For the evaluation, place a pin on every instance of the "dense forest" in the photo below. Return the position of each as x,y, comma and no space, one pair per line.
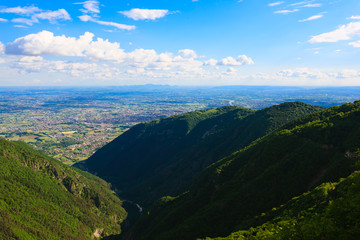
234,193
44,199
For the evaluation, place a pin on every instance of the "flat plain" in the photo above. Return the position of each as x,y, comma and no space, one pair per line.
71,123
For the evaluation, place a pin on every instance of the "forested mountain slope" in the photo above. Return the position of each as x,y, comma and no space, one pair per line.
41,198
163,157
328,212
318,148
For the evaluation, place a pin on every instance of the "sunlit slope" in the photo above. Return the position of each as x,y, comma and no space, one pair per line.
321,147
163,157
41,198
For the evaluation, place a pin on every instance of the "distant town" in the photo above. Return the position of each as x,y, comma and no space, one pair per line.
70,124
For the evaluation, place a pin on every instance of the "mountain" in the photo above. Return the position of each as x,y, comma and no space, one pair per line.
229,194
40,198
330,211
164,156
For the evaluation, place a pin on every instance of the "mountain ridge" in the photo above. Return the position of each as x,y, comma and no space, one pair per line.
162,157
267,173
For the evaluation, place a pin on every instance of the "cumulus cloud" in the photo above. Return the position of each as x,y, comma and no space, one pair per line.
3,20
90,7
275,4
187,53
211,62
87,18
21,10
145,14
45,43
240,60
354,17
315,17
286,11
343,32
97,52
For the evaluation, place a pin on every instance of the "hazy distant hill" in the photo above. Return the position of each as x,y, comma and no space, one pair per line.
41,198
162,157
229,194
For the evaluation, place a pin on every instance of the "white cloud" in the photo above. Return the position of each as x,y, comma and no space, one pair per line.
145,14
37,14
211,62
298,3
354,17
83,70
3,20
26,21
21,10
304,73
187,53
52,16
20,26
2,48
355,44
348,73
315,17
307,4
90,7
98,53
231,69
286,11
46,44
275,4
87,18
311,5
343,32
240,60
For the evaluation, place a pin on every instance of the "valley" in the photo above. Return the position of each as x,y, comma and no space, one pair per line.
227,172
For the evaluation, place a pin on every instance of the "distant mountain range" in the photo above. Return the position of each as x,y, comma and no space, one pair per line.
289,171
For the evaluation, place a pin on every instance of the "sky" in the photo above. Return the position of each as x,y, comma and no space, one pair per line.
180,42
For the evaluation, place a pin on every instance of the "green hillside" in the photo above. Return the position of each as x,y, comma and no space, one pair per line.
41,198
329,212
164,156
321,147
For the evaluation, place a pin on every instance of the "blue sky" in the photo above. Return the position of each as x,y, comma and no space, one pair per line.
180,42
